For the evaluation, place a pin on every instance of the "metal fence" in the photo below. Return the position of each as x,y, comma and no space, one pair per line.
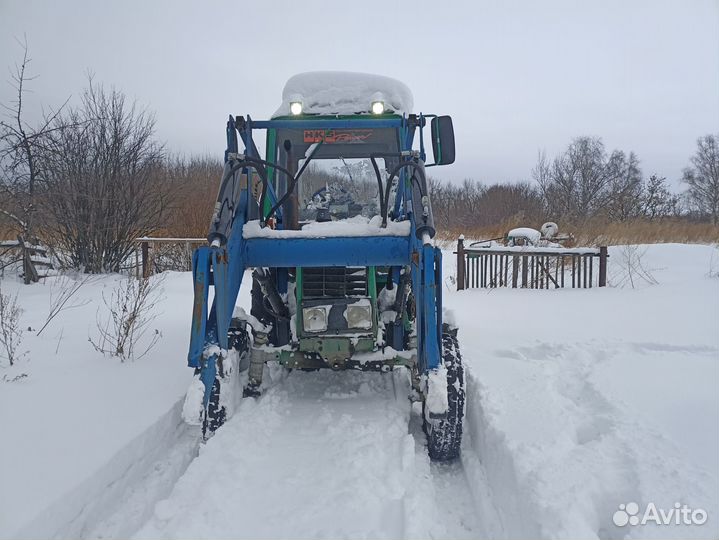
530,267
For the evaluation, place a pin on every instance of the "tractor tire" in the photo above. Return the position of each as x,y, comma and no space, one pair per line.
444,435
215,414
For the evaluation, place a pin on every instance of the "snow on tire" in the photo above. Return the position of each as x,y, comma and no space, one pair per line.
444,435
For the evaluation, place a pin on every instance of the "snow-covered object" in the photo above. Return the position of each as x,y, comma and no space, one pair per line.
549,229
386,298
343,92
437,401
532,236
253,321
350,227
192,407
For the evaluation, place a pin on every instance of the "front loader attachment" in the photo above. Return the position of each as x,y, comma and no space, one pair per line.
363,294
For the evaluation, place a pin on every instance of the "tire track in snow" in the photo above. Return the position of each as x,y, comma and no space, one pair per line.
318,455
460,498
324,455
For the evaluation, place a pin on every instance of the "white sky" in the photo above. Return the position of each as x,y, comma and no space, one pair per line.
517,76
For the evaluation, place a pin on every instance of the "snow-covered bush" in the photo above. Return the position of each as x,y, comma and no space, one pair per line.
129,312
10,330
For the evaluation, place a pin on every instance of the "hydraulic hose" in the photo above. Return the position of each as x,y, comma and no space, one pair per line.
257,164
427,224
382,204
290,187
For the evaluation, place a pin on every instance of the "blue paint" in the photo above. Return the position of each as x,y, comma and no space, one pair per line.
207,376
345,251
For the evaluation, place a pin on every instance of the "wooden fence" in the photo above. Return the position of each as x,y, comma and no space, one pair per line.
154,255
530,267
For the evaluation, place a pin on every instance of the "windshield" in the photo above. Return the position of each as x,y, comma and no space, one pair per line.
332,189
339,181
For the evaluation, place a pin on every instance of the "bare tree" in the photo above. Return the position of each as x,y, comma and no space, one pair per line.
578,183
22,176
194,182
656,199
511,204
702,178
106,181
625,187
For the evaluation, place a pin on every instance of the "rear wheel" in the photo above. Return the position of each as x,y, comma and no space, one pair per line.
444,435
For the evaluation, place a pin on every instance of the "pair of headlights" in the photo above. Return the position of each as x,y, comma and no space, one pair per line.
359,317
377,107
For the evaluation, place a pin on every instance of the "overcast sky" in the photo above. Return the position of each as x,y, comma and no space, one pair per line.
517,76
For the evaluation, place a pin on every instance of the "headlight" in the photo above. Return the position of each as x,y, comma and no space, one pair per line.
296,107
377,107
359,316
314,319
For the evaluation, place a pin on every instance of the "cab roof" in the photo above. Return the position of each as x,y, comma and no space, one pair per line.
344,93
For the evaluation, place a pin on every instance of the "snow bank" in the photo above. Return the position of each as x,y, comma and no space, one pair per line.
77,409
342,92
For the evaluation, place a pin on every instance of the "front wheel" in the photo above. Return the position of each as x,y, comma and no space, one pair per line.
444,435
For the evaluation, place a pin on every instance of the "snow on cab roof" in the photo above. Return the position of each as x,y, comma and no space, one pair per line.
344,92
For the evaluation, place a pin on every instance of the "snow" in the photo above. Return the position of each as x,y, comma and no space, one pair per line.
77,410
254,322
530,234
577,401
386,298
548,249
192,407
611,399
341,92
437,401
350,227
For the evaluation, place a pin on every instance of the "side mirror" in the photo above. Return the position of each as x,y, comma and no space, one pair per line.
442,140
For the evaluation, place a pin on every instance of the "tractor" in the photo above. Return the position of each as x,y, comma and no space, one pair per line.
334,228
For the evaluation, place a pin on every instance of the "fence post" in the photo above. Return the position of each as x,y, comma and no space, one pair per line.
145,259
460,262
603,254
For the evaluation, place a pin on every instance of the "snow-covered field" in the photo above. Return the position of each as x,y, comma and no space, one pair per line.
578,401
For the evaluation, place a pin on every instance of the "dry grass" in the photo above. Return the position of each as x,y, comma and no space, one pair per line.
596,233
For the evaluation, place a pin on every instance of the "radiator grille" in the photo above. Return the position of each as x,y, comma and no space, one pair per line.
334,282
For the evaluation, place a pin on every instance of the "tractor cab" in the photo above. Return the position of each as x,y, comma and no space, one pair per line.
335,222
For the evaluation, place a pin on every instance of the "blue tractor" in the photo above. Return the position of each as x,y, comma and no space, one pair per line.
353,282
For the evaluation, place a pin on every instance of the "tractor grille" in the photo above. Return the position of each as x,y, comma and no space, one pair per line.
334,282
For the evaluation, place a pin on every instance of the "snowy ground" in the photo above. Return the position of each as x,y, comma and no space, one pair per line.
578,401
